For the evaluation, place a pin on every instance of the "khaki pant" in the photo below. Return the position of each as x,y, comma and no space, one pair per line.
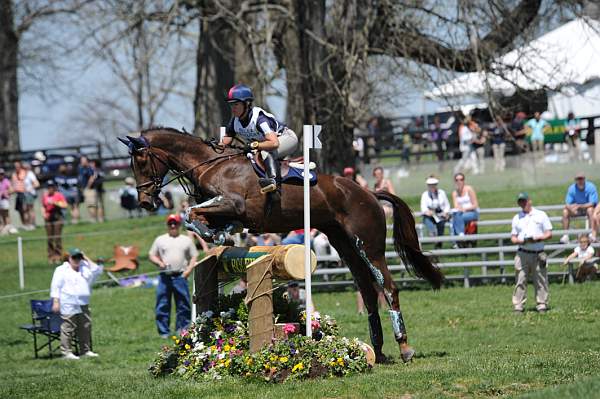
534,265
80,323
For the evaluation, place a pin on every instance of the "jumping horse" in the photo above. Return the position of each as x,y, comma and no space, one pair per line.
349,215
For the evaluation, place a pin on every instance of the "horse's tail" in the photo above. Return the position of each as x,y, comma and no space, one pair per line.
406,241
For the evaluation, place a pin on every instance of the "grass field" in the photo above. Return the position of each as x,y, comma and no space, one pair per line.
468,341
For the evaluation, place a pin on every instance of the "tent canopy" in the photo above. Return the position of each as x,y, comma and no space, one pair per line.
567,55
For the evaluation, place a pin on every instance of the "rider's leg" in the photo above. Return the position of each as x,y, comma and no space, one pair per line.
273,173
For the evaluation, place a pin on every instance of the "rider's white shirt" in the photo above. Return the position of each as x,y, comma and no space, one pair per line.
252,131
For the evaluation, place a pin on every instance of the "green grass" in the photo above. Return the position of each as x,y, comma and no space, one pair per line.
468,341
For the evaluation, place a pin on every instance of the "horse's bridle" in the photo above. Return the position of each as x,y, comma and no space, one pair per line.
156,181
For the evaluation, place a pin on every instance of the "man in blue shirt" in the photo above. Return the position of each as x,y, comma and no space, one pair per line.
581,199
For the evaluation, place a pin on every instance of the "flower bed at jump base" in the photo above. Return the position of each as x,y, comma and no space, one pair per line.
217,345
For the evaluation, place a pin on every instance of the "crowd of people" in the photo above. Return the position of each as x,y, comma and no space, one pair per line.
470,138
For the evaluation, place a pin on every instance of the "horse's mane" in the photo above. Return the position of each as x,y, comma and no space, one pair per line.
158,130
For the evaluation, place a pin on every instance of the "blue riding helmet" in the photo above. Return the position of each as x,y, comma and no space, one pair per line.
239,93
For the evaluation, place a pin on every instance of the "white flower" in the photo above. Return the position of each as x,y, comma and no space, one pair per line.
221,356
207,314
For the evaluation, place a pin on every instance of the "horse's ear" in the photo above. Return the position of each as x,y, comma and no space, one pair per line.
137,142
124,141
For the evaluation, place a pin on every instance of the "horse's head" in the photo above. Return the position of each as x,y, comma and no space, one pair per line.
149,169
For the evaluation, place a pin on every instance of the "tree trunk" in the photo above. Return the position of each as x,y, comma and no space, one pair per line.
9,95
214,75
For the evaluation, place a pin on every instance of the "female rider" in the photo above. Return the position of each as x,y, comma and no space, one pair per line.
261,131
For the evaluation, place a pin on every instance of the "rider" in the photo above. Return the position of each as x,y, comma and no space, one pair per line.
261,131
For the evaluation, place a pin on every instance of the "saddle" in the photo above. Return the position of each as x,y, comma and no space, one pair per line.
292,170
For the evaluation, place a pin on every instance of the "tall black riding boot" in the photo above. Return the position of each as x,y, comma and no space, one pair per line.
273,172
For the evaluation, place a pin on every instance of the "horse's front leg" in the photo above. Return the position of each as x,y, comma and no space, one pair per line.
232,207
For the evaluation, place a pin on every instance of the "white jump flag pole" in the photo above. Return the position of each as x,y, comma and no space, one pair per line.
311,140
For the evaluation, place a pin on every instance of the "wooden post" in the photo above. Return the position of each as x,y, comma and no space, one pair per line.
206,285
260,302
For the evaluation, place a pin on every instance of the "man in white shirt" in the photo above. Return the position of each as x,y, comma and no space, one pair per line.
70,292
435,208
530,228
172,253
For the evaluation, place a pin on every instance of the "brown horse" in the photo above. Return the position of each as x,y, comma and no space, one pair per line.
350,216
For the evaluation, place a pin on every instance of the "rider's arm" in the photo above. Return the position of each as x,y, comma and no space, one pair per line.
271,142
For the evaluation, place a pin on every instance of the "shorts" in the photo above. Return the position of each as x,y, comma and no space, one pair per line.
72,197
91,197
4,204
20,202
30,198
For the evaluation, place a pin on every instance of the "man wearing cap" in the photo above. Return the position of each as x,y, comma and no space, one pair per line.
53,203
435,208
581,199
530,228
172,253
70,292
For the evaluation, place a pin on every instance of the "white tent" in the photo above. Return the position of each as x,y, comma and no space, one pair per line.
566,56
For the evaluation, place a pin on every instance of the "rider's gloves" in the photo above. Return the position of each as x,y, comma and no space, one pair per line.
249,147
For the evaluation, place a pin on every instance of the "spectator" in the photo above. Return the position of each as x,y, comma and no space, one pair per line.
498,139
517,128
417,139
383,184
128,197
70,291
466,206
468,159
97,184
266,239
479,141
53,203
31,185
297,237
438,137
572,130
241,287
435,208
5,191
297,295
354,175
584,254
68,185
406,140
24,184
538,127
84,175
172,253
530,228
581,199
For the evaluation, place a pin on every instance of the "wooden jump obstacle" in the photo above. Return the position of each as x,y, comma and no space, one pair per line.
261,265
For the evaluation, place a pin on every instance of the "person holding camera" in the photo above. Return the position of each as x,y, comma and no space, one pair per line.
530,228
70,291
435,208
172,253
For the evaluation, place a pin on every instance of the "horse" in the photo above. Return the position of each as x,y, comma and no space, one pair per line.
350,216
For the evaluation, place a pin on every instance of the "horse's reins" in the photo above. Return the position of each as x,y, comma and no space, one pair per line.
156,180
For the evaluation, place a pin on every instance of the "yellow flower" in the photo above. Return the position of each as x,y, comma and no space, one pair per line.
248,361
187,346
174,338
332,364
213,348
273,358
181,353
283,359
226,348
227,362
298,367
267,366
340,361
177,341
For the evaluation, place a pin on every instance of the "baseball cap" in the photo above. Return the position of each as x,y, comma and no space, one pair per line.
75,252
173,218
522,196
129,180
50,183
348,171
580,175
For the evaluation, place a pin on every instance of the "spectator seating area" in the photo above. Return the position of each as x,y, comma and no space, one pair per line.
492,258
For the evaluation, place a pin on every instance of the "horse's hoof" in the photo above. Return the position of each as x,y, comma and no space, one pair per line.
382,359
407,355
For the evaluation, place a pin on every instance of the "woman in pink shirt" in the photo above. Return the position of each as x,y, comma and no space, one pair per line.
5,191
53,203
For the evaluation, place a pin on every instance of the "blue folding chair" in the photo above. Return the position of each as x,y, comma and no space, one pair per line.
45,323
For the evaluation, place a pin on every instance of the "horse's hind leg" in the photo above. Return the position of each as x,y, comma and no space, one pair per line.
363,278
391,295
